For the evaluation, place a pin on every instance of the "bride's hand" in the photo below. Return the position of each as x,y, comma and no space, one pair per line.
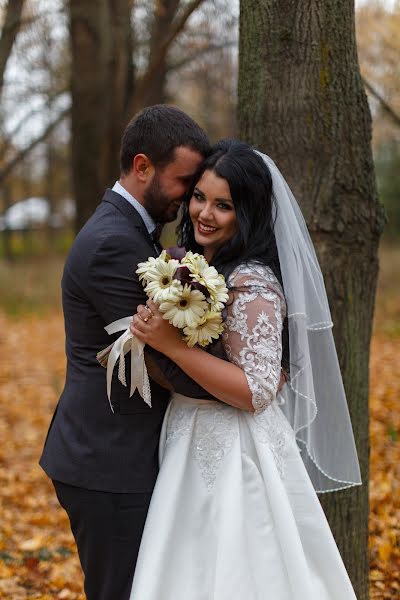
149,327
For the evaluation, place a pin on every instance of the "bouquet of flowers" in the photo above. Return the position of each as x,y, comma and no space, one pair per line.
190,294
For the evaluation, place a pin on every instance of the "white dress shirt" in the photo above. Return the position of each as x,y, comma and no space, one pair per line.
148,220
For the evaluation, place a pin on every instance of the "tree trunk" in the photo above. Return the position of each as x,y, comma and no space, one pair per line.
100,41
164,14
12,22
147,80
104,93
7,233
90,41
50,191
301,100
120,85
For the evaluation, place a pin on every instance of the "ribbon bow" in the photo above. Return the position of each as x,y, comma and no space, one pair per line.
125,343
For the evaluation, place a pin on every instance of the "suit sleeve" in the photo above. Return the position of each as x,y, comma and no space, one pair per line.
115,292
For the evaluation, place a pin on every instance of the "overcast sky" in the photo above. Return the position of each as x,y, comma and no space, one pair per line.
388,3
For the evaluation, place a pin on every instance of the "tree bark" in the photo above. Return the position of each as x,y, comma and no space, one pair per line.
120,85
164,14
100,43
7,233
302,101
137,100
90,46
104,93
12,23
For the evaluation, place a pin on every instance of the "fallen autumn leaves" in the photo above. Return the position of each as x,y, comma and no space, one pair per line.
37,554
384,525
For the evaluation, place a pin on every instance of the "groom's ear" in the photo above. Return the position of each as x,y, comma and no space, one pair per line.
142,167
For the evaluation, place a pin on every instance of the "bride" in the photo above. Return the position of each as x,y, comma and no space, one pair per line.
234,514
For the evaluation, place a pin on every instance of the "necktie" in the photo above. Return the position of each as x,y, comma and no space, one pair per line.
155,236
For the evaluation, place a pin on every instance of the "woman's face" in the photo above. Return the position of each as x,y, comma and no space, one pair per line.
212,212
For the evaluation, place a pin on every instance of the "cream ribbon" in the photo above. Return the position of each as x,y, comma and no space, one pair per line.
125,343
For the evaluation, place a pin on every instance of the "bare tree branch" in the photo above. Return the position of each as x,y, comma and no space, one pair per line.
209,49
165,14
11,26
6,170
29,20
386,107
145,81
6,141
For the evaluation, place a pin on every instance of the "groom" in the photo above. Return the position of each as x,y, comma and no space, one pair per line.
103,464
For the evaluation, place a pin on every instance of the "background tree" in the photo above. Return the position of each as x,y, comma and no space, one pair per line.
106,59
11,25
32,138
378,41
106,89
202,68
302,100
160,23
101,52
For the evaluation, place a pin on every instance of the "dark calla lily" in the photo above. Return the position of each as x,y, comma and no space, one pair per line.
182,274
195,285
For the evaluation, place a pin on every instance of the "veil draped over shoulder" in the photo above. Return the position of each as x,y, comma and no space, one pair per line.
314,399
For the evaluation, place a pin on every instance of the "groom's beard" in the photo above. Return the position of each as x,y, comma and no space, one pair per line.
159,205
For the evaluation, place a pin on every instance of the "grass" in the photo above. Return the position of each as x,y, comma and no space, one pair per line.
32,285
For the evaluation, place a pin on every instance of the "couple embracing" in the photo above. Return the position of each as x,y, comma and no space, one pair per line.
210,494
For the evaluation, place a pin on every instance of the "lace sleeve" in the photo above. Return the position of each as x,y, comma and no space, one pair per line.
253,332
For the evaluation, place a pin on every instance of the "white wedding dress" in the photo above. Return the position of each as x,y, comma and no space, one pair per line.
234,515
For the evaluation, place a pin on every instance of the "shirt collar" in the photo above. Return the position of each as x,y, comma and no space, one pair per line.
148,220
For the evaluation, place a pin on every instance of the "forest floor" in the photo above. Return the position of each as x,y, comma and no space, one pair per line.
37,554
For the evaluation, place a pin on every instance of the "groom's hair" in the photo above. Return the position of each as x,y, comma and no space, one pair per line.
156,131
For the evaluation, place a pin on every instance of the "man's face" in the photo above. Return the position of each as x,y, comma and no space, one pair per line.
166,190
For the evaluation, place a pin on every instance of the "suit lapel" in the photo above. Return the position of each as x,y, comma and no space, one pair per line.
130,213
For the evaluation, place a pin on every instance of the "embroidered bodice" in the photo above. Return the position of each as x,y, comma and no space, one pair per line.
252,340
253,331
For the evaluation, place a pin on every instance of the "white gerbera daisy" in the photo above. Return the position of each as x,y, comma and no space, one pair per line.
187,309
209,278
149,269
215,284
161,284
210,327
219,294
196,262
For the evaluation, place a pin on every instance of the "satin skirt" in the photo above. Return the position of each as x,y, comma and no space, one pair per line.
234,515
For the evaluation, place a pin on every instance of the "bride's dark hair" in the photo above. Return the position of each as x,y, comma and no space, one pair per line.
250,184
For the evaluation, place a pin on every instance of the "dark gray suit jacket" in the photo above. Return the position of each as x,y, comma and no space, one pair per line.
87,445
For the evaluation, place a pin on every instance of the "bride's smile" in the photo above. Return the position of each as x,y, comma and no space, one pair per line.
212,213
